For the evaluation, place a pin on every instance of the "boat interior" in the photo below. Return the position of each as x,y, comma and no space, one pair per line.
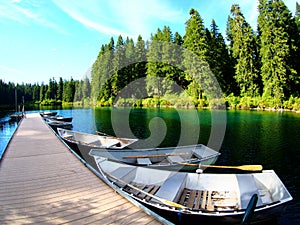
198,192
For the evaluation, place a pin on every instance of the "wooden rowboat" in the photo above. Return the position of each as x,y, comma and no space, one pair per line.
192,197
177,158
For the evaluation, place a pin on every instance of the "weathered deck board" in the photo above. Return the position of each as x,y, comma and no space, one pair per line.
41,181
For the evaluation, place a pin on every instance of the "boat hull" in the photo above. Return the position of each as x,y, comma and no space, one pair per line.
267,216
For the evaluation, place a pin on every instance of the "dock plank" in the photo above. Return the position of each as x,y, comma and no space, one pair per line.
41,181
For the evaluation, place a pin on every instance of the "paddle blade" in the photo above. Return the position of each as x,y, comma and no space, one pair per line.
251,167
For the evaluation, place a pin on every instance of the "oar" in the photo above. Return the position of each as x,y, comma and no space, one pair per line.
164,201
154,156
243,167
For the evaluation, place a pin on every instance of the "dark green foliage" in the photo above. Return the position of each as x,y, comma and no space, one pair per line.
219,59
244,49
278,49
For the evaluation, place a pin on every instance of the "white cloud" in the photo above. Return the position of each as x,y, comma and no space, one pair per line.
126,18
27,12
85,13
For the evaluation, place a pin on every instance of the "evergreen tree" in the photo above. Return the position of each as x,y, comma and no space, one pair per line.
36,93
86,88
154,64
118,79
42,92
179,76
60,88
96,74
69,90
278,49
219,59
195,41
245,51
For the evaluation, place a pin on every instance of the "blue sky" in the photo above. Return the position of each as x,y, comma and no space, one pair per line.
41,39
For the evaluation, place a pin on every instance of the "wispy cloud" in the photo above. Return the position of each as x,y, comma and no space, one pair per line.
27,12
89,16
128,18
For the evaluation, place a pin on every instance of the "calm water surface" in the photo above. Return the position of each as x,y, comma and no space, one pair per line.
271,139
7,128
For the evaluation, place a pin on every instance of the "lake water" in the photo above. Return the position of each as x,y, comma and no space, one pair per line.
7,128
271,139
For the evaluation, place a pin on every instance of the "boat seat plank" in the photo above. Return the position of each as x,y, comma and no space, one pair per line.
209,206
191,200
183,197
172,187
203,204
144,161
198,200
146,188
153,191
136,192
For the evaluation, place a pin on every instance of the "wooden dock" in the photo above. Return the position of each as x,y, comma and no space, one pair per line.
41,181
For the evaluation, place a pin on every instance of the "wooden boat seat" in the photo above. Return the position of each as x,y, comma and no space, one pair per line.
151,189
209,200
175,159
144,161
172,188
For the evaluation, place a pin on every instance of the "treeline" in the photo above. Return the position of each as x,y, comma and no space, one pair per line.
253,68
53,93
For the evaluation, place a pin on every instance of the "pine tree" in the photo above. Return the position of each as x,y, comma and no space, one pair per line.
195,42
278,48
60,88
154,64
245,51
118,80
219,59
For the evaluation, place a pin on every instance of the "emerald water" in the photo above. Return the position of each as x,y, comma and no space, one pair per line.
271,139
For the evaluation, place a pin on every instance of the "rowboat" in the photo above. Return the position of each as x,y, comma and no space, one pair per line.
45,114
82,143
59,118
194,197
184,158
59,124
